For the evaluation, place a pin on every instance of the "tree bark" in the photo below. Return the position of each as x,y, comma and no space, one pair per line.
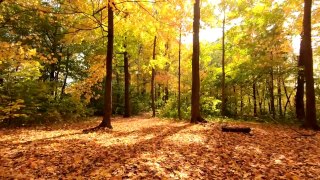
66,76
152,79
127,107
241,101
254,91
138,73
106,122
223,89
235,101
306,55
287,96
195,94
179,78
279,96
271,87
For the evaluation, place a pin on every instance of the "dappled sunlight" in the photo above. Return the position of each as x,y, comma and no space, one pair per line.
34,135
151,148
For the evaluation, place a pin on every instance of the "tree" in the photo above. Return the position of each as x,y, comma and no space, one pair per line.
195,96
127,108
106,122
179,76
153,73
223,82
306,57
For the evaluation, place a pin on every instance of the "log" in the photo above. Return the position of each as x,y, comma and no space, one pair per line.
236,129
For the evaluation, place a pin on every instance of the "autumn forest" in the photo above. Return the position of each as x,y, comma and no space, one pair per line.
159,89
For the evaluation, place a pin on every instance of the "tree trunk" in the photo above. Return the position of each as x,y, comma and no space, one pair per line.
306,55
152,79
254,100
138,73
116,94
106,122
126,84
271,87
287,96
241,101
223,89
235,100
66,76
179,78
195,94
279,97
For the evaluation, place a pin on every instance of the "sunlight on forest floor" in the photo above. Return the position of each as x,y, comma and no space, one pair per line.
141,147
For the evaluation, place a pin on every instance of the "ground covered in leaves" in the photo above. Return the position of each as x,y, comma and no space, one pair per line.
151,148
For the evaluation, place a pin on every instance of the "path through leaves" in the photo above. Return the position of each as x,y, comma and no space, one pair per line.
150,148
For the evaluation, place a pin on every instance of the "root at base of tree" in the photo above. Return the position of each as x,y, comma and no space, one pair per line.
199,120
97,128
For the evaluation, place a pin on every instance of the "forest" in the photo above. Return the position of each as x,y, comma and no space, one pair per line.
159,89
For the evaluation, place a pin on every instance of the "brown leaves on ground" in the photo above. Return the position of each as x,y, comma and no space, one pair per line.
144,148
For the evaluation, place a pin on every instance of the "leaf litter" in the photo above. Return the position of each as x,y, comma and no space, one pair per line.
152,148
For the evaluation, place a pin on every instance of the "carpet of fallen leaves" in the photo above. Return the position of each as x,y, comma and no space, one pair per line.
151,148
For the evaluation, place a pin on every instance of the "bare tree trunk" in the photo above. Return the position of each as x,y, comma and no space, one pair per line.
235,100
66,75
241,101
152,79
306,55
279,96
195,96
138,73
223,90
127,107
287,96
271,87
179,78
106,122
254,100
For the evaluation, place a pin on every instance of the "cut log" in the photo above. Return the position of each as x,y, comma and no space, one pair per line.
236,129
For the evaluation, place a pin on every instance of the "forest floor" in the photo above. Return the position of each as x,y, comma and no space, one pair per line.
151,148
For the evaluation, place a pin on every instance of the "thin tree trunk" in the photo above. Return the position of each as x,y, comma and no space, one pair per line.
116,94
235,100
66,76
138,73
271,87
127,107
306,55
261,97
287,96
279,97
166,88
195,95
179,78
106,122
223,90
152,79
254,100
241,101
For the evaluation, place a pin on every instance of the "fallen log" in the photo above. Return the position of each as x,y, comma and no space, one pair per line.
236,129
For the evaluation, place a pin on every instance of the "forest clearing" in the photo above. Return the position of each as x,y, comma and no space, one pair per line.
150,148
170,89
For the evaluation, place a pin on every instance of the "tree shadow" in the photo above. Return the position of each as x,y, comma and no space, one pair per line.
152,158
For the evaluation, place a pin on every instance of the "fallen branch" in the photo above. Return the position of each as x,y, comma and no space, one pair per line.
236,129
